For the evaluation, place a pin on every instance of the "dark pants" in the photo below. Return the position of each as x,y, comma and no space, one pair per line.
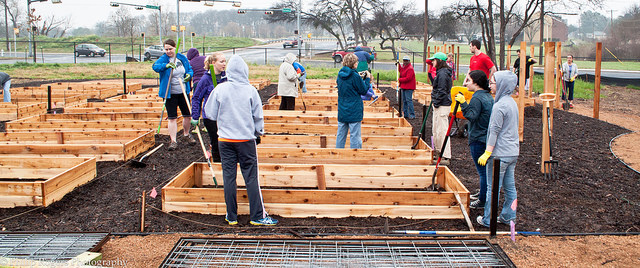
569,86
212,129
245,154
177,101
288,103
430,78
477,149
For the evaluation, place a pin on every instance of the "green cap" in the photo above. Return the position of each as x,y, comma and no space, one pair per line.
440,56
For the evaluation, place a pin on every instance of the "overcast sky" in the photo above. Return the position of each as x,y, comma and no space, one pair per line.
85,13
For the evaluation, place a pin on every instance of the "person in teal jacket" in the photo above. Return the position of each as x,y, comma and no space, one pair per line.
182,74
350,107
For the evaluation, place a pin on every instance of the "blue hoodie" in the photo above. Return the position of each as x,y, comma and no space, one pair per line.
350,87
236,104
363,59
503,124
201,94
160,66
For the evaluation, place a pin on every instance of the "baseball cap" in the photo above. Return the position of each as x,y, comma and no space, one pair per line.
406,58
439,55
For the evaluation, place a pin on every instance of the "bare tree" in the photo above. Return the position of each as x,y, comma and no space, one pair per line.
54,27
391,25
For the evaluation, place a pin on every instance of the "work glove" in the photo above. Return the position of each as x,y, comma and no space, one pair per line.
171,65
187,77
483,158
194,122
258,140
571,80
460,98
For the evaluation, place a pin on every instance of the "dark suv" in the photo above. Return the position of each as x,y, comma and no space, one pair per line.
338,55
89,50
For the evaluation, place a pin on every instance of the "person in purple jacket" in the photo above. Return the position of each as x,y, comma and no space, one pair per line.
197,64
201,95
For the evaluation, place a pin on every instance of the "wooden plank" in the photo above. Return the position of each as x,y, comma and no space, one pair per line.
57,187
310,113
101,116
86,125
19,201
139,145
368,142
71,137
344,156
322,184
367,109
322,129
327,211
398,122
185,179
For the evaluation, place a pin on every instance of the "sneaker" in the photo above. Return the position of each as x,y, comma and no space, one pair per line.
230,222
172,146
265,221
190,139
476,204
479,220
475,196
570,105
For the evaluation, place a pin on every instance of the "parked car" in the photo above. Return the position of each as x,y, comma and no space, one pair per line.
291,43
89,50
338,55
153,52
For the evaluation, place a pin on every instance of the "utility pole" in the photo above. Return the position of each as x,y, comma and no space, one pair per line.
177,21
6,25
426,35
541,30
299,32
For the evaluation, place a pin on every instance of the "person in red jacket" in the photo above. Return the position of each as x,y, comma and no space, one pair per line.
431,71
407,82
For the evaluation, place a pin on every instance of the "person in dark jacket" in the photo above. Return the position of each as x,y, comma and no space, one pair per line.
441,99
477,112
172,90
350,107
407,82
201,95
363,59
197,64
5,81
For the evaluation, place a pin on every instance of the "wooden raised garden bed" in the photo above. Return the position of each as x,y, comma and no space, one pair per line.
27,181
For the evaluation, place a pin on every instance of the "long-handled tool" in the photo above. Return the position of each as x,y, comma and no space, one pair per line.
204,149
551,166
139,163
424,120
565,104
435,187
166,93
304,105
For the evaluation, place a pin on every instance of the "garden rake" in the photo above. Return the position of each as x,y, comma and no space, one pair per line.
551,166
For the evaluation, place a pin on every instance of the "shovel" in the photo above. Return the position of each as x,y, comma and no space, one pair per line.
424,120
434,186
138,163
551,166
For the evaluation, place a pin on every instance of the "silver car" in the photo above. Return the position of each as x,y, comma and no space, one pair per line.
153,52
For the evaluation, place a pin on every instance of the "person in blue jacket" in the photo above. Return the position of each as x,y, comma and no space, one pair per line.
350,108
172,91
303,75
363,59
201,95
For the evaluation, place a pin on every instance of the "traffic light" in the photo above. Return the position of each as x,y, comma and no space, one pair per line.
193,34
268,12
309,35
240,11
142,34
295,32
139,8
115,4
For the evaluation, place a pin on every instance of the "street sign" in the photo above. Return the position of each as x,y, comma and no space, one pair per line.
152,7
16,30
286,10
182,28
173,28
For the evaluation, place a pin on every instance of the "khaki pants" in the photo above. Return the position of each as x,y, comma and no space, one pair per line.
440,124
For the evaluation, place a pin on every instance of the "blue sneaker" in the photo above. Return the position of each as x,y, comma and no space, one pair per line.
230,222
265,221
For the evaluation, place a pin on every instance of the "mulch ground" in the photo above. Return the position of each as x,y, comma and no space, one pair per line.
595,192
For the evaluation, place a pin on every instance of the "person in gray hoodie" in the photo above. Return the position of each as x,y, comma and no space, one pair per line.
502,143
237,108
287,80
5,82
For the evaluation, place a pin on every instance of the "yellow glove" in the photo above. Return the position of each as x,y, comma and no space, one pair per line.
572,79
460,98
484,157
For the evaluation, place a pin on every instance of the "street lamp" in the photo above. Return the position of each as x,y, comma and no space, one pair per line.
141,7
31,26
206,3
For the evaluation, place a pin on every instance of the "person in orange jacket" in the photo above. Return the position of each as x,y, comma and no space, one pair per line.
407,82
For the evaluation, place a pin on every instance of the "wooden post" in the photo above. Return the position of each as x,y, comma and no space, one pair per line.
521,79
596,91
322,183
558,72
549,68
124,81
509,57
547,101
323,141
531,71
142,212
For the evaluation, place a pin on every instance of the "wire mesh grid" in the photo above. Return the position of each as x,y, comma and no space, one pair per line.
202,252
48,246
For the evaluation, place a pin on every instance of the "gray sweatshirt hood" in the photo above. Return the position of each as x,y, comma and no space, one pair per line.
289,58
237,70
506,82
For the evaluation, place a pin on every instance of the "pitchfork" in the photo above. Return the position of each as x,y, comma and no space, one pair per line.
551,166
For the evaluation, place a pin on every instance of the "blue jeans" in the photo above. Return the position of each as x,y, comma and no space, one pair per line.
303,80
355,139
508,183
477,149
407,104
7,94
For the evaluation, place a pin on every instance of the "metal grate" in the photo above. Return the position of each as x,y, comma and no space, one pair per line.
48,246
202,252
